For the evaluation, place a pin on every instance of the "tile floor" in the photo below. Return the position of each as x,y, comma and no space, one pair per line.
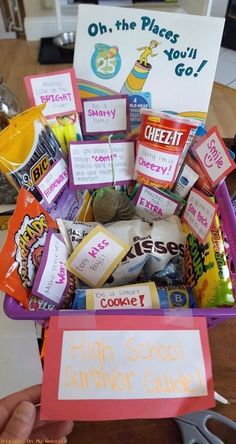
226,68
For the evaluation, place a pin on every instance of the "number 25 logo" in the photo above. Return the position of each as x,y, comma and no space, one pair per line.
105,61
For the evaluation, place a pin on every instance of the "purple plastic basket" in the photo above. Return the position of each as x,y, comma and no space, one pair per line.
214,315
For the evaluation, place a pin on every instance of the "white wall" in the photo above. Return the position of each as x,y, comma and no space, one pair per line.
219,8
34,8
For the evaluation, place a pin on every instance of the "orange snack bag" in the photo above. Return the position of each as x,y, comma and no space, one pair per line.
23,247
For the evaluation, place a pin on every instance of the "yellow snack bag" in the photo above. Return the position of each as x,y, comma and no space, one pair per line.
206,269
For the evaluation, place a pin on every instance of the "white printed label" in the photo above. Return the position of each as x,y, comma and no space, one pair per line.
55,90
102,164
53,281
199,214
129,364
53,181
105,115
157,165
154,205
132,296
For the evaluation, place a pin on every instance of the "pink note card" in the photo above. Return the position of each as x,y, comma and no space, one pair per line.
214,157
199,214
118,367
58,90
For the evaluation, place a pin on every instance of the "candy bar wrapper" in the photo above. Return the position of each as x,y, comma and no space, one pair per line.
137,296
22,250
206,269
159,242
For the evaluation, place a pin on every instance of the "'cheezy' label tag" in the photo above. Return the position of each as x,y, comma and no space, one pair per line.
199,214
158,165
97,256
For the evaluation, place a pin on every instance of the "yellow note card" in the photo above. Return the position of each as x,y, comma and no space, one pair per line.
97,256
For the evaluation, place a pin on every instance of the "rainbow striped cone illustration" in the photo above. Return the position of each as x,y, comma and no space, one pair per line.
136,78
138,75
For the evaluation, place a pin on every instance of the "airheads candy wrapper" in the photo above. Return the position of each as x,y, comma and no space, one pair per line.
53,282
163,143
31,157
138,296
161,240
21,253
206,269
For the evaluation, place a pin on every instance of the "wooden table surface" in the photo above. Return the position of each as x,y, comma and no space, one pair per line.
19,58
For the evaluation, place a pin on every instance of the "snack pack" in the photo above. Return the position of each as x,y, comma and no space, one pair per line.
206,269
163,144
21,253
144,295
31,157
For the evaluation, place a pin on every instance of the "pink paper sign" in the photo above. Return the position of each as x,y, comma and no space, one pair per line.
118,367
58,90
199,214
214,156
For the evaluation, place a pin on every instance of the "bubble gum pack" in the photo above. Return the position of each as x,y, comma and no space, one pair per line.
21,253
206,269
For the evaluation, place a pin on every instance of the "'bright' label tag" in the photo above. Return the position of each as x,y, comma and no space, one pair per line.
97,256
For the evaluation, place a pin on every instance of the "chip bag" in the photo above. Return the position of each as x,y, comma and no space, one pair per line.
21,253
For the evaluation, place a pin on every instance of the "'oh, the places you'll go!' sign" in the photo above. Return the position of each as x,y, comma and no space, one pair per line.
169,58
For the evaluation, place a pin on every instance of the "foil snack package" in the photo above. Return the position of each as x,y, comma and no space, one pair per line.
31,157
160,240
22,250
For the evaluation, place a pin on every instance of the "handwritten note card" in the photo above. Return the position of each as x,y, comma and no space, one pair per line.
97,256
143,295
199,214
58,90
53,181
160,166
153,204
214,157
116,367
106,115
99,164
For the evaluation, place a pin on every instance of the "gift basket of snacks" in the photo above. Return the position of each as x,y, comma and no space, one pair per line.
118,224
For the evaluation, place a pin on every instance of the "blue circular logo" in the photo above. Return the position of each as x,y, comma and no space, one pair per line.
178,299
106,61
